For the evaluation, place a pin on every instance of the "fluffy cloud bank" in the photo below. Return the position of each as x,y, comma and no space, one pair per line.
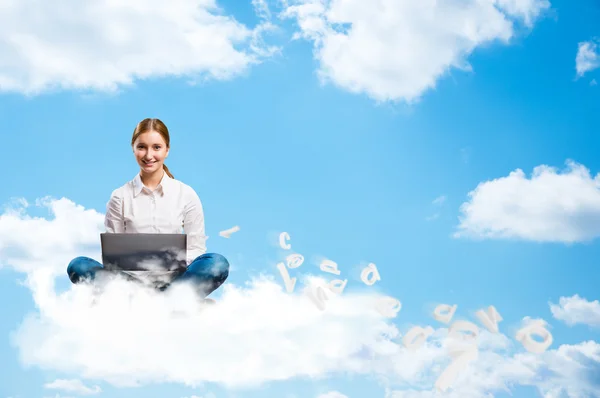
256,333
570,370
551,206
397,50
104,45
390,50
72,385
127,335
576,310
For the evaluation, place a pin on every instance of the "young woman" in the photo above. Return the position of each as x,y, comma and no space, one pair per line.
155,202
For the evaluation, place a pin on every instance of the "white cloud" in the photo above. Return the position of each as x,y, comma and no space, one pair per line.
588,57
577,310
432,217
572,370
397,50
72,385
527,10
439,200
105,45
262,9
30,243
332,394
434,394
551,206
256,333
253,335
58,396
207,395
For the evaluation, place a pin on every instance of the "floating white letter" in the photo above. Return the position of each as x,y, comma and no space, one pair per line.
490,319
370,269
416,336
461,354
227,233
330,266
318,296
388,306
294,260
283,237
464,326
289,282
535,327
337,285
444,313
460,360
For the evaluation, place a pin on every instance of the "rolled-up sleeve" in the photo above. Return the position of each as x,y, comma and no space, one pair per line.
113,219
193,226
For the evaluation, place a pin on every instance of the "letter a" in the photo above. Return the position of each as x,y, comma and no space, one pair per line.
444,313
370,269
337,285
416,336
464,326
388,306
329,266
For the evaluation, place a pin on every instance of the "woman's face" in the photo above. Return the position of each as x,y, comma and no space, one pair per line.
150,151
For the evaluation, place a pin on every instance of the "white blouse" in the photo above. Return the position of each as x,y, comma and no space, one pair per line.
173,207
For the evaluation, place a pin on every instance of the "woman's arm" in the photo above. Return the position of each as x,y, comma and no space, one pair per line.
113,220
193,226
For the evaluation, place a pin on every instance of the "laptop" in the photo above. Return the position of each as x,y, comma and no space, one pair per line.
144,254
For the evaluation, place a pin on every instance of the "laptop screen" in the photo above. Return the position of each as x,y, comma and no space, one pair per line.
144,252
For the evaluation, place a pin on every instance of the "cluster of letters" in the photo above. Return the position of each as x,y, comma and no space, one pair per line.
463,334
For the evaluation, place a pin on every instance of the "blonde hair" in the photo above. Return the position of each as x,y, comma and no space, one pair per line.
157,125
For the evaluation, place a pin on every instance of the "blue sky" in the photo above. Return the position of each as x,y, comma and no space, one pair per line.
454,146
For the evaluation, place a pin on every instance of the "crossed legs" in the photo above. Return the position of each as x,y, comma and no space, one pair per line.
207,272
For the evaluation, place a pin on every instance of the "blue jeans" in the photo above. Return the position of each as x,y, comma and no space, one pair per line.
207,271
